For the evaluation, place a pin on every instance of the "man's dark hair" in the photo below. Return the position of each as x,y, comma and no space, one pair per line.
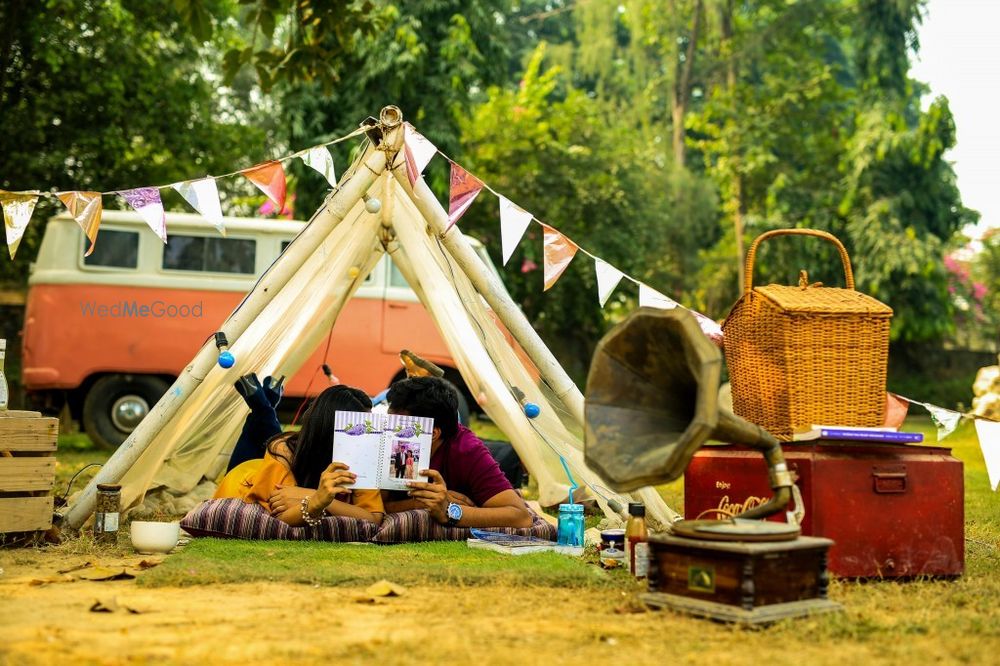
432,397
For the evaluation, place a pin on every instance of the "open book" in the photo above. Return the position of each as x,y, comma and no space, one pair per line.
384,450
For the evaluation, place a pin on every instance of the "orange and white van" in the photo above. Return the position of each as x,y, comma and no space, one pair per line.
87,345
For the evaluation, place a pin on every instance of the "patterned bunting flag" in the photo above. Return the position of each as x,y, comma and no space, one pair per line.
896,408
320,159
269,179
417,150
464,189
17,209
514,222
146,201
608,278
649,297
709,327
558,252
203,195
989,443
946,420
86,208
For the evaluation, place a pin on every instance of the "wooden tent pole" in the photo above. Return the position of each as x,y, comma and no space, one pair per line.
493,290
326,218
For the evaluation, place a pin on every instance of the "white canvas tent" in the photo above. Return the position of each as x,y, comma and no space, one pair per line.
185,441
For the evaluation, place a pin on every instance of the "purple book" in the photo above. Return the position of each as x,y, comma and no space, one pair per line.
859,435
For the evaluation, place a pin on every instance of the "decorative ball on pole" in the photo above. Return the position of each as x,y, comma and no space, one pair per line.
372,204
226,358
531,410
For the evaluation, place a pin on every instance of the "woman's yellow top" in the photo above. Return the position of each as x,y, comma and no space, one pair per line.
255,481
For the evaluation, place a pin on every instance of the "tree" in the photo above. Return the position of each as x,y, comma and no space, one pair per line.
111,95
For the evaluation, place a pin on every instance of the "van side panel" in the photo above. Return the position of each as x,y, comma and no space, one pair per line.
72,331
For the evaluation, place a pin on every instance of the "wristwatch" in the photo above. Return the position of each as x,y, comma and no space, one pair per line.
454,514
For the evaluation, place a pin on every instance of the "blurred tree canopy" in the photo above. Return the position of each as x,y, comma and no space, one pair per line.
662,135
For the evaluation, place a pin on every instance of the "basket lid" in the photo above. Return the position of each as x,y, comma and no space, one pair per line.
832,300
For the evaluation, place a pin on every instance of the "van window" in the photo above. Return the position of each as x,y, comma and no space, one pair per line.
396,278
115,249
215,255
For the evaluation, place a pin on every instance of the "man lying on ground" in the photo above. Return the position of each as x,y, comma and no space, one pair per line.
466,487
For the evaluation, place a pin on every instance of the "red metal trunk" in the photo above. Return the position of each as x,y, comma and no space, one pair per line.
892,510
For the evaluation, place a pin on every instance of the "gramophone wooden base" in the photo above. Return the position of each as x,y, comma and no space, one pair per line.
750,583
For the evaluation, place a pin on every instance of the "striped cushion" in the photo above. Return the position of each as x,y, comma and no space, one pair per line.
234,518
417,525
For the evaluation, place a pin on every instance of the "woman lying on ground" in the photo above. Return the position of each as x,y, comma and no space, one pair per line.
298,462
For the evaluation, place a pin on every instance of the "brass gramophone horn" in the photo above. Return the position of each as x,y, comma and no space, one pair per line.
652,401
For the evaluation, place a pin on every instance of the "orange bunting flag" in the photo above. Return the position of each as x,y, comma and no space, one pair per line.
86,208
17,209
417,150
558,251
464,189
269,179
896,407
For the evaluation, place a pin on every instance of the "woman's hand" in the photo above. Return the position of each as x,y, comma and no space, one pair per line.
334,481
284,498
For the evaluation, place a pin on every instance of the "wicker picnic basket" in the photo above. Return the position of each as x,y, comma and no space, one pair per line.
807,355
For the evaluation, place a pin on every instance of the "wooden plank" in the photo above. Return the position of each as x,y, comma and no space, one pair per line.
13,297
34,473
25,514
34,434
18,414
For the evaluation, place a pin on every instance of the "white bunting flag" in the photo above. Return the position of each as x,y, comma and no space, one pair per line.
989,443
946,420
709,327
514,222
418,151
608,278
146,202
649,297
319,158
203,195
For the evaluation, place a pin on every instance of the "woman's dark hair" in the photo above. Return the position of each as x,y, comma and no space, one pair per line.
433,397
312,446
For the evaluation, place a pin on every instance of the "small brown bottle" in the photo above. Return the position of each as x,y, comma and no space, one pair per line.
637,540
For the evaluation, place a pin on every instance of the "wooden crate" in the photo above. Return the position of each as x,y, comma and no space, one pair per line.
27,471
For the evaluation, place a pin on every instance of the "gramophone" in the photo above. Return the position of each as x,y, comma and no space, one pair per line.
651,403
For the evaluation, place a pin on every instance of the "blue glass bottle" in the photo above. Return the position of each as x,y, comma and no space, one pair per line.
570,531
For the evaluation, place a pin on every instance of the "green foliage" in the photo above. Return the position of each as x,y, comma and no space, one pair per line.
105,95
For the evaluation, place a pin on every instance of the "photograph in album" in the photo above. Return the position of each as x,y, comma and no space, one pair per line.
384,450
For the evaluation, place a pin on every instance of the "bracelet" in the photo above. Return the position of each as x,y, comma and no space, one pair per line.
306,516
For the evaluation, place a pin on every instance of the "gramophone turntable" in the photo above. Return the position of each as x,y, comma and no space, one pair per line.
652,402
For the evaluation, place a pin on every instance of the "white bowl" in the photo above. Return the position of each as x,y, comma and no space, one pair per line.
150,537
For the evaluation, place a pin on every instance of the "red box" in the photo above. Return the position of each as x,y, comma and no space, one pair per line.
892,510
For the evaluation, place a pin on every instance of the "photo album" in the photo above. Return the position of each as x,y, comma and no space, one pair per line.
384,450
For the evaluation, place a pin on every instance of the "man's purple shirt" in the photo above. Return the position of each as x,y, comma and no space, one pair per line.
468,468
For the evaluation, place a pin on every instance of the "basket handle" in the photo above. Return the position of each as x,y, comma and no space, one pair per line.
844,259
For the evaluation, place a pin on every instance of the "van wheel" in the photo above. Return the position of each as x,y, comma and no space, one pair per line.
116,404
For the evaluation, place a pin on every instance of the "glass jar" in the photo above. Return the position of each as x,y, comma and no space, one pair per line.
106,513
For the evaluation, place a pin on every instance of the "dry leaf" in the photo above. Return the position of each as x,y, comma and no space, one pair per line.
45,580
111,606
384,588
105,573
77,567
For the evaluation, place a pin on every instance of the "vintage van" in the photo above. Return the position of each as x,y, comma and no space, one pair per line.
86,346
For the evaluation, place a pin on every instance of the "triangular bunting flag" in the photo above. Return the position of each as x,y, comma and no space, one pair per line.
896,407
269,179
946,420
608,278
514,222
417,150
558,252
650,298
319,158
17,209
146,201
203,195
709,327
464,189
989,443
85,207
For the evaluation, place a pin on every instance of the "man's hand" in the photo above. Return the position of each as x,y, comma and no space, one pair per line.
284,498
432,495
459,498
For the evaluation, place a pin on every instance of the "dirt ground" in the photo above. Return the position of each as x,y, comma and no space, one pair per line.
288,623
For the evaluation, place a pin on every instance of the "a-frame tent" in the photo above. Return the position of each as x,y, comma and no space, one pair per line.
185,441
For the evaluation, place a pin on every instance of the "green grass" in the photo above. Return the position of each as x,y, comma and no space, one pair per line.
215,561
